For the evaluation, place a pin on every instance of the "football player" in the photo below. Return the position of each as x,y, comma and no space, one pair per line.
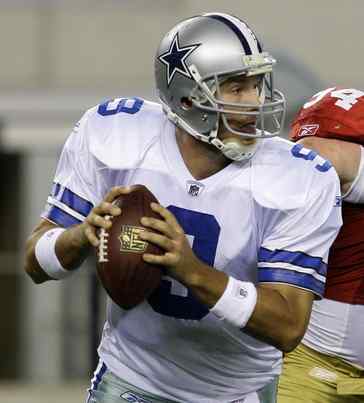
246,222
328,366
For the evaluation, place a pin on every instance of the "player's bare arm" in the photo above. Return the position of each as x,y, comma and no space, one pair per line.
75,243
345,157
282,312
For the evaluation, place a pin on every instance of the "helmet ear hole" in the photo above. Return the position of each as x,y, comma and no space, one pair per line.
186,103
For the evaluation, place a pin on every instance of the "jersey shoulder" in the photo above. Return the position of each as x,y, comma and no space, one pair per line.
113,127
336,113
285,175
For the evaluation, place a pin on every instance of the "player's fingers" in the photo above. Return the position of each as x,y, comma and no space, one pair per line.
168,217
157,239
90,233
168,259
96,220
107,208
117,191
158,225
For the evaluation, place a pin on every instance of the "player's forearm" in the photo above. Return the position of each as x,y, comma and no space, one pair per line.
71,249
206,283
275,322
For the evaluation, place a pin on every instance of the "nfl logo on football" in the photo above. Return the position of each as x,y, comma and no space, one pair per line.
194,188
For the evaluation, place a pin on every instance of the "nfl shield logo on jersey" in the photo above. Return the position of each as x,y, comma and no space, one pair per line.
194,188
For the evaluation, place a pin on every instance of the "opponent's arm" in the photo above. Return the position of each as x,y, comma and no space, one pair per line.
75,243
344,156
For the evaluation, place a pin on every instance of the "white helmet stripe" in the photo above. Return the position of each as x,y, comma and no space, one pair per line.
249,34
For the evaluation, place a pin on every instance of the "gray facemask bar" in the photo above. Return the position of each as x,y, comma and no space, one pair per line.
275,108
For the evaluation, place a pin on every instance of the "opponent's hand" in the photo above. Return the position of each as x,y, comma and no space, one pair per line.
96,218
179,257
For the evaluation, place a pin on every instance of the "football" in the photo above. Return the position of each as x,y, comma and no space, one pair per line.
126,277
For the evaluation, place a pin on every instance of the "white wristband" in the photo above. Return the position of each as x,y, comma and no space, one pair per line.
46,254
237,303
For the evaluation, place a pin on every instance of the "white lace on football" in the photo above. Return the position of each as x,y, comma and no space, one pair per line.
103,245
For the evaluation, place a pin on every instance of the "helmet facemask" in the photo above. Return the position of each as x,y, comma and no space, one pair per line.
267,116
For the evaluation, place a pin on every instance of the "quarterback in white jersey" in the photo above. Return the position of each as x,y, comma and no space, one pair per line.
246,242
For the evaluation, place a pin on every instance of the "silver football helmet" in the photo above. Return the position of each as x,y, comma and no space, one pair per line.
192,62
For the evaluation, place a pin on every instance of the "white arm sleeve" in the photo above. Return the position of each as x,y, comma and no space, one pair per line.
295,249
75,187
355,194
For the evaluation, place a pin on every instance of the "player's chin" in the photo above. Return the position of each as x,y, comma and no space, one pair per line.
236,138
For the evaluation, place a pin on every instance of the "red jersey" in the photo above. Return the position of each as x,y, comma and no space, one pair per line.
333,113
339,114
345,274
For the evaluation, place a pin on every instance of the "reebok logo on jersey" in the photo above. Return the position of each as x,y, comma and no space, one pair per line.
133,398
308,130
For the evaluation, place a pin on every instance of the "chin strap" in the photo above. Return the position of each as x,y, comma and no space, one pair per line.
234,150
231,148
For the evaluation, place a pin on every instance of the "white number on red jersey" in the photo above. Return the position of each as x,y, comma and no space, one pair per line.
347,97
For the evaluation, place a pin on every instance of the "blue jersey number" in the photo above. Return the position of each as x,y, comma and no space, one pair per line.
118,105
299,151
172,298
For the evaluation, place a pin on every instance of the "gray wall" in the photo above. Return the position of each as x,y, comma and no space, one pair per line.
60,57
93,45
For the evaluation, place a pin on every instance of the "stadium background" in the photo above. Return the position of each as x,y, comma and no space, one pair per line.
58,58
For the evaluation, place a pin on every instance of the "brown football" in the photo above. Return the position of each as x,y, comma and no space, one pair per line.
126,277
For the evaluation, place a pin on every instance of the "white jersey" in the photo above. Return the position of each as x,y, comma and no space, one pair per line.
337,329
254,220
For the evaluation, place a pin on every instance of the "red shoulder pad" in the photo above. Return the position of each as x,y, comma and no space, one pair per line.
333,113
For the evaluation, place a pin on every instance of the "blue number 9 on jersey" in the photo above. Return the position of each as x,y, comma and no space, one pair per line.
169,299
299,151
120,105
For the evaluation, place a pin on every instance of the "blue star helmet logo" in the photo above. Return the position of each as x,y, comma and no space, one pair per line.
175,58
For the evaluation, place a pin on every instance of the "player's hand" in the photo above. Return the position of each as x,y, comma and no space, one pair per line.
179,257
98,216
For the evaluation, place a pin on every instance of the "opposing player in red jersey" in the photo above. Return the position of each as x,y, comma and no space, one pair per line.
328,366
